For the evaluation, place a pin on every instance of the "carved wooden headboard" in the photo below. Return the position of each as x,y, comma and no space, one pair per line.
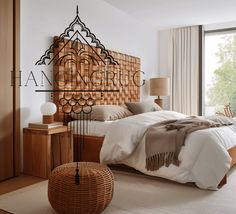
85,75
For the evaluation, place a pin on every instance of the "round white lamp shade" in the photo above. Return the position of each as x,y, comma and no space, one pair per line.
48,108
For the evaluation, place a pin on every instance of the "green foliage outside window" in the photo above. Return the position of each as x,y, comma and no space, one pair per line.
223,89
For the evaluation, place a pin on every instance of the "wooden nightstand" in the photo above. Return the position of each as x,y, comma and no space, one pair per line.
45,149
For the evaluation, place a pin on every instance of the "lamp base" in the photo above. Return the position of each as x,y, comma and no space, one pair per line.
47,119
159,102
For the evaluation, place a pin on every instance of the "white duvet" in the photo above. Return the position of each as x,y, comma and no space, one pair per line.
204,158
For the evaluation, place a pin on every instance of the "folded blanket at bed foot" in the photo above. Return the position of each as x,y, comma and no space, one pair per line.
165,139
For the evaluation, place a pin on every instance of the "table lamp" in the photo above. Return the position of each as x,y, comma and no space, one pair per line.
48,109
160,86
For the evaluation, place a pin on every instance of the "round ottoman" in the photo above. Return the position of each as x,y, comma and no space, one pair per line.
91,196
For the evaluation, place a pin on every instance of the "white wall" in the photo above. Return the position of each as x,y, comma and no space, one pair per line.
163,52
163,58
41,20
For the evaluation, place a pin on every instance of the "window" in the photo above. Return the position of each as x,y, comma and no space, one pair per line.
220,71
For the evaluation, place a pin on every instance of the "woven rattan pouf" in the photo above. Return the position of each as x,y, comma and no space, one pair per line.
91,196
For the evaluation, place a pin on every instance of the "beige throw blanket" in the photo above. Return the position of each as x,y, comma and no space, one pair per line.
164,140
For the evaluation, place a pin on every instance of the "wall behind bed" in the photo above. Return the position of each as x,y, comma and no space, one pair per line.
41,20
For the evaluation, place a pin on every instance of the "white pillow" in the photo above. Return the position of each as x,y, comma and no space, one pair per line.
105,113
142,107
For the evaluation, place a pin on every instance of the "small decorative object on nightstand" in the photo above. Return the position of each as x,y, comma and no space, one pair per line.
45,149
160,87
48,109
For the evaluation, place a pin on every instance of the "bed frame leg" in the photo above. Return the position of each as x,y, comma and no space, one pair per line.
223,182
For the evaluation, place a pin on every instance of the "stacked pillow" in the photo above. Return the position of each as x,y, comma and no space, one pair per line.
114,112
142,107
105,113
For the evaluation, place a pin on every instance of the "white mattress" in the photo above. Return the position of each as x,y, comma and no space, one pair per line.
91,127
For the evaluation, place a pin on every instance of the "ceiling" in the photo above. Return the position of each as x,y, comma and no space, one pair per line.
174,13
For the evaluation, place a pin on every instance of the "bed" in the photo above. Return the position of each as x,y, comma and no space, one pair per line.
75,95
205,159
197,166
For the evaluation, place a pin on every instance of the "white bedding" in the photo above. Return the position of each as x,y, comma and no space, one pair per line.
204,158
95,128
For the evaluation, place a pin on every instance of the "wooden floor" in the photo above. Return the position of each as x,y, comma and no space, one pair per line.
17,183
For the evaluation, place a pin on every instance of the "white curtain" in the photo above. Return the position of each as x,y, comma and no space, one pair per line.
184,68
